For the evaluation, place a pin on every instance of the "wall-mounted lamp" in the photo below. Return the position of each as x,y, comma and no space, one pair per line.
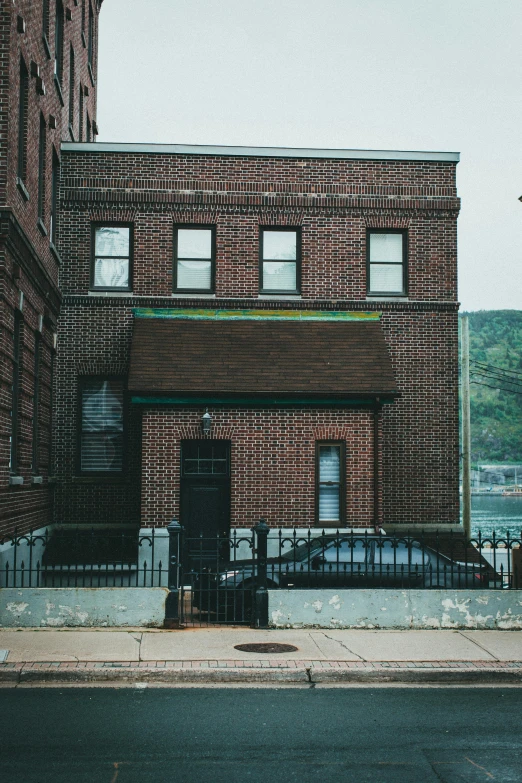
206,423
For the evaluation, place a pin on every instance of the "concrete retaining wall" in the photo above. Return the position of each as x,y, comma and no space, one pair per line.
82,607
421,609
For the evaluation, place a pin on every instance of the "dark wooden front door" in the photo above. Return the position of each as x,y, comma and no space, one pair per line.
205,488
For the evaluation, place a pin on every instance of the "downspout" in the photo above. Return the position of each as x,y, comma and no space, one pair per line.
376,482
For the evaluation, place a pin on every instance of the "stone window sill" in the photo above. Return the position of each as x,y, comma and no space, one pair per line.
23,190
55,253
58,89
16,481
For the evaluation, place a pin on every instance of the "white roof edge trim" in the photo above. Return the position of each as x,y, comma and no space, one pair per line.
261,152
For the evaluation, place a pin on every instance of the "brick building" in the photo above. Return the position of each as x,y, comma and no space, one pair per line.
47,94
222,334
252,333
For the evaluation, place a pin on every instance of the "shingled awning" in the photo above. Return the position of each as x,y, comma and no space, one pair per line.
178,359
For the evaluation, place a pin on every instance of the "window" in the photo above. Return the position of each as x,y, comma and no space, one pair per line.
330,471
90,44
71,93
80,115
194,258
89,128
42,143
205,457
23,107
386,264
101,425
15,395
346,552
280,257
55,179
36,397
58,41
111,257
46,18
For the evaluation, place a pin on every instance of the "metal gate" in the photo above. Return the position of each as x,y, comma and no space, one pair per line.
217,580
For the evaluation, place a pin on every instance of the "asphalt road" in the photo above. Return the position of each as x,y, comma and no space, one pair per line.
181,735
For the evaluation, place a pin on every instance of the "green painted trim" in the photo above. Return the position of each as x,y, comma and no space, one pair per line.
254,315
268,402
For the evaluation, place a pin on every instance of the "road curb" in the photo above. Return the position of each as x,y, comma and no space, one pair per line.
266,675
420,676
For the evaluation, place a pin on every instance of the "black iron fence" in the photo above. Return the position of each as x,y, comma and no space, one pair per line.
226,578
81,557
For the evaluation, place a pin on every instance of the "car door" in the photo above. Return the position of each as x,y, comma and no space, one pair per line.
398,563
341,564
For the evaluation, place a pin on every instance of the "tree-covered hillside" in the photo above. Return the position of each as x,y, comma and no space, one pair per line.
495,338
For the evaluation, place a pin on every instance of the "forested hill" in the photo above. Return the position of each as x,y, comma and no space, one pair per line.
495,338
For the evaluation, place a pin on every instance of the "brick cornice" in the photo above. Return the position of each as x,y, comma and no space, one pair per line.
309,304
158,199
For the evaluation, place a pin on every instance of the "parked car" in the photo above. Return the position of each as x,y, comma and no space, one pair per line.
335,561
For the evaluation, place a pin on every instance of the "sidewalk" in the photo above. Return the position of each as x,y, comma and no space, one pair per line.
209,655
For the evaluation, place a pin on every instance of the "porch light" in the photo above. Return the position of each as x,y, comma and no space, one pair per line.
206,423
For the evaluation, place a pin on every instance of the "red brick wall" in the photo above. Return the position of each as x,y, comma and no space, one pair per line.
26,262
272,462
334,202
334,217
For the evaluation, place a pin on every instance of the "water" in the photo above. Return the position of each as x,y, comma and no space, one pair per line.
495,513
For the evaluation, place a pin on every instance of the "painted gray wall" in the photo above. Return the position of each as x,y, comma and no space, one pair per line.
82,607
387,609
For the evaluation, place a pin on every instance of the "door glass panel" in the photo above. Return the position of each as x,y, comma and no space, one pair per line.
387,554
346,553
205,458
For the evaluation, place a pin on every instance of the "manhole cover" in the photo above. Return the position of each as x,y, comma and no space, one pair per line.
265,647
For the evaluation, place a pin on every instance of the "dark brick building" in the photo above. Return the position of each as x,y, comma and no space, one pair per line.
233,333
305,299
47,94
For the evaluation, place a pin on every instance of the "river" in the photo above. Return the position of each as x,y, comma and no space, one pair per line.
496,513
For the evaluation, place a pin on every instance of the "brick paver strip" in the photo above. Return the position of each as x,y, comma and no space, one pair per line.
237,664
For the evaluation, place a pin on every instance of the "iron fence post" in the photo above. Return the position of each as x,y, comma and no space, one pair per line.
172,618
261,595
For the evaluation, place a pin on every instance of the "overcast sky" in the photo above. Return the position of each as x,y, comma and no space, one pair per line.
373,74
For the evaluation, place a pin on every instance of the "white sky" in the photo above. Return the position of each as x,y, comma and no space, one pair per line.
374,74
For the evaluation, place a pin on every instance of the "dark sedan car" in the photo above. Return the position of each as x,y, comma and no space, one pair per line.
337,561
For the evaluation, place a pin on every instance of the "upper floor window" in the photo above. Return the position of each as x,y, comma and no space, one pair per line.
55,182
280,260
23,108
194,259
330,472
111,257
58,41
101,425
15,398
71,93
386,262
46,18
90,43
42,149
